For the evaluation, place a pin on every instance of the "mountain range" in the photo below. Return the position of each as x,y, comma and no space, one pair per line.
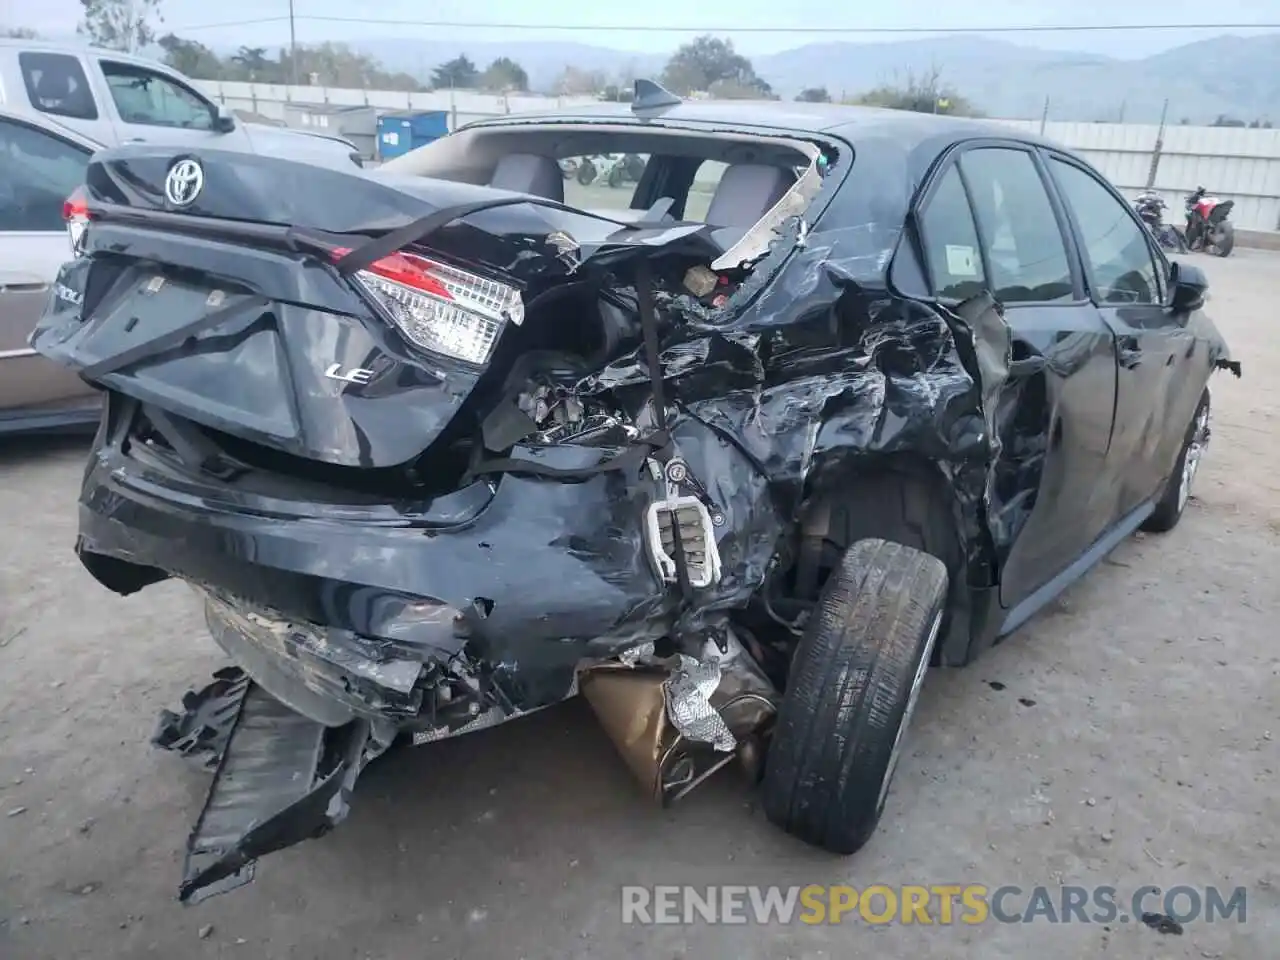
1231,76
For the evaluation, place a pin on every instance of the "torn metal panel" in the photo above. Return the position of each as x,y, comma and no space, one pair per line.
331,675
202,730
280,779
755,242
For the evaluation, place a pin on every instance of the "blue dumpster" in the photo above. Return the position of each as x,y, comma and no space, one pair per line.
406,130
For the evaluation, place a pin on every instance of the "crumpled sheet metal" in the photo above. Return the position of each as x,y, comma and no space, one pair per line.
492,717
805,371
687,691
902,377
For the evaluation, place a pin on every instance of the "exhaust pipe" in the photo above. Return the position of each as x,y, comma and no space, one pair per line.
678,720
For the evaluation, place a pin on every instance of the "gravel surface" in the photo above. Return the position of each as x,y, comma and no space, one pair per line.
1127,736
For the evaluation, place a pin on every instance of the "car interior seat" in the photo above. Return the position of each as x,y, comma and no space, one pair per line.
59,91
746,192
529,173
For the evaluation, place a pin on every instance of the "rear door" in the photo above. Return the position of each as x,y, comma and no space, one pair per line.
58,86
151,105
991,223
38,170
1127,279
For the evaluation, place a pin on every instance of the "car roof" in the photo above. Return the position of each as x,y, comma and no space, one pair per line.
907,127
23,45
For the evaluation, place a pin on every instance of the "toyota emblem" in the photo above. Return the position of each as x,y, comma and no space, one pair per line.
184,182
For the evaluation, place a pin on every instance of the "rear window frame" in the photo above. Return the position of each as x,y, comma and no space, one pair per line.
80,76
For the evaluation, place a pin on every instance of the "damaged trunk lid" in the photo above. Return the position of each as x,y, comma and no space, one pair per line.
334,316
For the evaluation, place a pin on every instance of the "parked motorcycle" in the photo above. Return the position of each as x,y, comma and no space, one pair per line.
613,168
1150,206
633,167
604,166
1207,226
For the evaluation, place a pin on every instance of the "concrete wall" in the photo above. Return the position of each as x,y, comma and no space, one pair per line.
1240,164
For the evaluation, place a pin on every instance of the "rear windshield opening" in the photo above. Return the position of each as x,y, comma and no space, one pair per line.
742,186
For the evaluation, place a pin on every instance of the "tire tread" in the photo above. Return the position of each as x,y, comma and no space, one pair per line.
850,680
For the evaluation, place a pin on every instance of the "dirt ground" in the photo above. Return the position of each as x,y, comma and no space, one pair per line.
1134,742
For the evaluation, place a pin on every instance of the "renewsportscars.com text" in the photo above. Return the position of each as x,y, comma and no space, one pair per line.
941,904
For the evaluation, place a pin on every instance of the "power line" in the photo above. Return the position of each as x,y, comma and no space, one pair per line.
825,29
230,23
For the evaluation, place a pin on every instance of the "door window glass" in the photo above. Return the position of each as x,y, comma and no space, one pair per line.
1122,269
951,241
1025,253
56,85
37,173
143,96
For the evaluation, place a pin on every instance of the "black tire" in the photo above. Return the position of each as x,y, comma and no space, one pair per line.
1227,233
851,693
1173,501
586,172
615,176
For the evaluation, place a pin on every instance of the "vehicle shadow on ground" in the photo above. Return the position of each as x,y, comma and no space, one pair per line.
548,800
544,772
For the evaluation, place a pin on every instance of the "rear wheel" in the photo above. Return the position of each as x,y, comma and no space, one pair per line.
1177,491
854,682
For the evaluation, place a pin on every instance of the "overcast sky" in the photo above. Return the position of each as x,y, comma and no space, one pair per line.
184,16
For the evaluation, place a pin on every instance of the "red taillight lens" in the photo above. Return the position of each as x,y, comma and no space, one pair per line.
76,205
75,211
409,270
440,307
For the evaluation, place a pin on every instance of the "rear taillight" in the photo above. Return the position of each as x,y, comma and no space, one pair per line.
75,211
439,307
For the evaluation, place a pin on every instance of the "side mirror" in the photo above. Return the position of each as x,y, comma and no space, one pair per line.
224,121
1188,286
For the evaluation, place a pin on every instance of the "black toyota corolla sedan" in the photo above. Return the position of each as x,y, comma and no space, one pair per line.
733,418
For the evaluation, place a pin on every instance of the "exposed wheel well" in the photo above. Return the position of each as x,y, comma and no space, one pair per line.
902,500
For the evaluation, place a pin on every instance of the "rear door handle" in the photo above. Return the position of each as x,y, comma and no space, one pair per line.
32,286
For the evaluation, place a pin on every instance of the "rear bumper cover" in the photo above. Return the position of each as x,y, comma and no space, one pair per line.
348,612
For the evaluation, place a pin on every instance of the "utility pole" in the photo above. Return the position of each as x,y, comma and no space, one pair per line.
293,48
1159,147
131,27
